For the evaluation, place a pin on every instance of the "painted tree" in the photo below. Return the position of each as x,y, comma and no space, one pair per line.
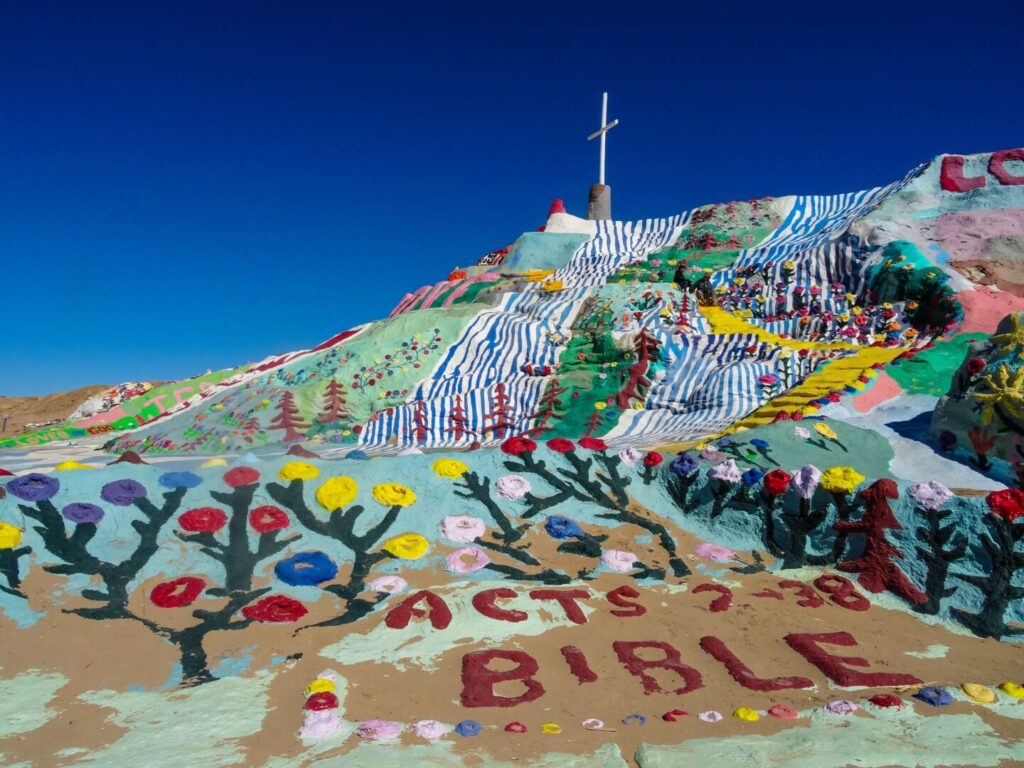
934,537
594,423
335,407
547,409
421,422
637,382
498,420
288,418
457,420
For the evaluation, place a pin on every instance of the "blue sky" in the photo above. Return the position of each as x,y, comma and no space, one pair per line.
186,186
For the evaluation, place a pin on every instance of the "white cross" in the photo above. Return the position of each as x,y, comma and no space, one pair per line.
605,127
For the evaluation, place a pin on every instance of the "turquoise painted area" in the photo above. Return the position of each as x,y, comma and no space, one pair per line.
877,739
24,701
441,754
542,250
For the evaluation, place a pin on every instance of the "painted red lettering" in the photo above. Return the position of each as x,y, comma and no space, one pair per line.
997,166
742,674
478,680
618,597
578,664
440,615
952,179
484,602
626,651
567,599
808,646
719,604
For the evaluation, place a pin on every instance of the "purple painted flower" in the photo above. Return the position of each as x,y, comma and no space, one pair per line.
712,454
931,494
841,707
684,465
122,492
34,487
80,512
174,480
805,480
727,472
715,552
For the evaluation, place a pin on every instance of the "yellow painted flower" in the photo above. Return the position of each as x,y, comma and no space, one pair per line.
841,479
1013,689
857,310
70,464
844,317
337,492
10,537
320,685
551,728
214,462
393,494
789,265
407,546
552,286
746,713
850,297
600,405
825,430
979,693
450,468
298,470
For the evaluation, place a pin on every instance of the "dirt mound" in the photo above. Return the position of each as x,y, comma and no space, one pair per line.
42,409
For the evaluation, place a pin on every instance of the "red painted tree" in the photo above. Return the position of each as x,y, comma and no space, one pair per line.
457,420
550,401
636,386
594,423
421,422
334,408
288,418
499,419
877,567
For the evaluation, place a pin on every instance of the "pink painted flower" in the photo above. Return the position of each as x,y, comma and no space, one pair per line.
389,585
727,472
512,487
379,730
462,529
931,494
467,560
320,725
802,433
618,560
767,380
430,729
715,552
712,454
841,707
805,480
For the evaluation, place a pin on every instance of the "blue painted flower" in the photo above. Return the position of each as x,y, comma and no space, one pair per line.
306,569
684,465
80,512
174,480
34,487
932,694
757,442
468,728
752,476
122,492
559,527
725,442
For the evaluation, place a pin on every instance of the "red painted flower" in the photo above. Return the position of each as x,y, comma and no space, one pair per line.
1008,504
975,365
267,518
776,482
653,459
203,520
516,446
560,445
240,476
320,701
886,700
593,444
275,609
177,593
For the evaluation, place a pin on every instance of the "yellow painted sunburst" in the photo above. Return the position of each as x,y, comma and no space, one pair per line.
1012,339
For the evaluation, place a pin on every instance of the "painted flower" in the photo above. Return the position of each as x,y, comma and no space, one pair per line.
841,707
240,476
825,430
80,512
559,527
203,520
393,495
275,609
298,470
752,476
467,560
805,480
629,456
757,442
267,518
931,494
337,492
10,536
379,730
462,528
122,492
177,593
1007,505
715,552
389,585
450,468
406,546
33,487
776,482
430,729
593,444
767,380
727,472
618,560
306,569
560,445
934,695
179,480
712,454
512,486
653,459
516,446
684,465
841,479
320,725
802,433
975,365
321,700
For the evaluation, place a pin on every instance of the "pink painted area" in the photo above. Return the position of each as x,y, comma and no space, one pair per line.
884,388
964,235
984,308
106,417
460,290
406,304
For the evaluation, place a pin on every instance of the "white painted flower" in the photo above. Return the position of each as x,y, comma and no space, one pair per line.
389,585
931,494
727,472
512,486
430,729
630,456
462,529
802,433
618,560
320,725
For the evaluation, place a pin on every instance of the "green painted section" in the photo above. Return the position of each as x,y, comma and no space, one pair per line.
930,371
